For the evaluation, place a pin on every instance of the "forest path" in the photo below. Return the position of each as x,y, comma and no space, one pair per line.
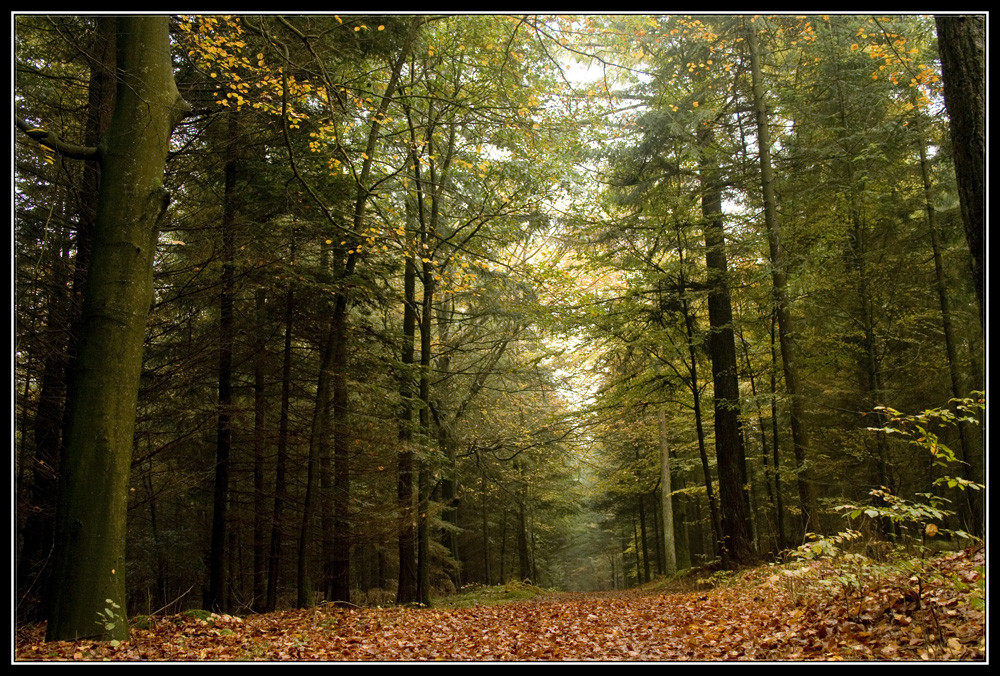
765,614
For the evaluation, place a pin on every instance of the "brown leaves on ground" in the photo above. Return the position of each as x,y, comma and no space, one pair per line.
766,614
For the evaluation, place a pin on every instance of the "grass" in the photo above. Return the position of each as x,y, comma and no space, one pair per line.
482,595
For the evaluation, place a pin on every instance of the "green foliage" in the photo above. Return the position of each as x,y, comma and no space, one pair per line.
909,514
976,591
199,614
111,616
830,546
923,430
477,594
143,622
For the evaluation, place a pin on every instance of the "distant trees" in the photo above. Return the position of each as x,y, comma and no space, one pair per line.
827,244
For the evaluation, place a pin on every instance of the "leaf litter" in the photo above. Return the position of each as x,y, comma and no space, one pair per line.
769,613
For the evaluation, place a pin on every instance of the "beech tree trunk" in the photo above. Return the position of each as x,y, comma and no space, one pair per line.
63,319
89,557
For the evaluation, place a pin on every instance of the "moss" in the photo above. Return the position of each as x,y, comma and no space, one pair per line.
198,614
143,622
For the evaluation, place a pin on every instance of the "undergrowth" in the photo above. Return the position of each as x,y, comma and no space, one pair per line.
483,595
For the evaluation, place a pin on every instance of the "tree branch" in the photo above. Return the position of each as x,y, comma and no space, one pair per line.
55,143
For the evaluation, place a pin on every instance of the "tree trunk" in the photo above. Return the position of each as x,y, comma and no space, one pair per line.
339,576
259,459
779,500
424,469
644,539
689,328
669,549
487,573
962,44
281,462
406,591
779,280
729,451
224,435
447,445
523,560
63,319
973,503
89,567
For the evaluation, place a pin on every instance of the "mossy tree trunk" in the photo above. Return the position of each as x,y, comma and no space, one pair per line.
89,557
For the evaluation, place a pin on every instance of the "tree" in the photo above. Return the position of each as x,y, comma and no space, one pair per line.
666,486
779,276
962,43
62,310
89,557
729,449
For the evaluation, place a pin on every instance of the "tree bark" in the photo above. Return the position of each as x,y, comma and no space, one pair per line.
259,456
962,44
972,501
339,561
63,318
281,462
406,590
779,280
729,450
669,549
89,569
224,435
689,328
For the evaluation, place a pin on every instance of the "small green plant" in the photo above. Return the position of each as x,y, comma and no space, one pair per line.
477,594
199,614
922,430
111,616
719,578
977,591
829,546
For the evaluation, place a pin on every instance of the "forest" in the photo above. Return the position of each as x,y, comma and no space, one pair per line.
351,310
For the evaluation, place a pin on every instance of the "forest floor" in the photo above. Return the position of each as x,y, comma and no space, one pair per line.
931,610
